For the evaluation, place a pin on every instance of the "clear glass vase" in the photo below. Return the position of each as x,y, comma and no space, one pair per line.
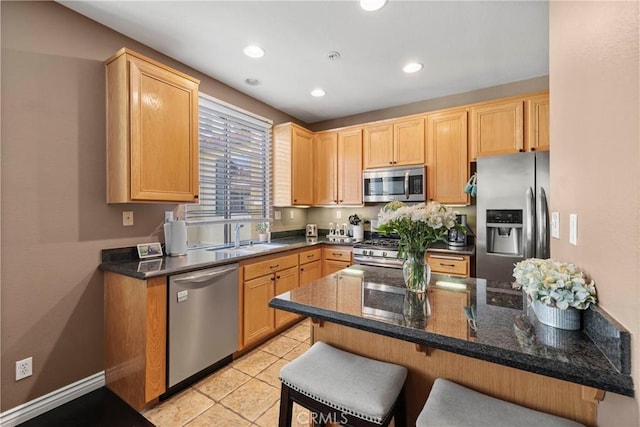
416,309
416,271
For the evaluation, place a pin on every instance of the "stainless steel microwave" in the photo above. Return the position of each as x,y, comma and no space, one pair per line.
407,184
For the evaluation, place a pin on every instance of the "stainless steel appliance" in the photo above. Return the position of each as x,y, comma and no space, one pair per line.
312,230
381,252
382,301
512,212
203,321
457,238
408,184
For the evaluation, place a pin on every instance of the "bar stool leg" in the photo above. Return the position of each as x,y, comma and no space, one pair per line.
286,408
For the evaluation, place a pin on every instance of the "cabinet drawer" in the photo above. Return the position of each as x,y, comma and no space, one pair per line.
337,254
272,265
309,256
449,264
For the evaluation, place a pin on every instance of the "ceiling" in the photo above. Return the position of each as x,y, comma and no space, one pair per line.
463,45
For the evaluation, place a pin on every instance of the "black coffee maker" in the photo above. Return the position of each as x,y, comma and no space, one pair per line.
460,239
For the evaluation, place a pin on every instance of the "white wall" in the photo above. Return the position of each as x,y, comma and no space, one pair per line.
594,90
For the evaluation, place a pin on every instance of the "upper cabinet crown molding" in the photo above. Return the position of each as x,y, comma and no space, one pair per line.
292,165
152,131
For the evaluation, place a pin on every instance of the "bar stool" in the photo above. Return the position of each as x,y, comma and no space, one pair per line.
344,388
450,404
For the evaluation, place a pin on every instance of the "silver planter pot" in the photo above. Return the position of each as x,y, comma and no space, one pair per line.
569,319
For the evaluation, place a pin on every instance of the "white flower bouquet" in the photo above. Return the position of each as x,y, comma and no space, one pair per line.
554,283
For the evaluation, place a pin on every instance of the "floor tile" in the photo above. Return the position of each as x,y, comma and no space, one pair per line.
221,383
279,345
296,352
255,362
271,375
252,399
300,332
218,415
180,409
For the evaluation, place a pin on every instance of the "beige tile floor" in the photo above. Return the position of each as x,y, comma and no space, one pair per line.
244,393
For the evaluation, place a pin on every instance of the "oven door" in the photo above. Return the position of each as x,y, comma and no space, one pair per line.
385,185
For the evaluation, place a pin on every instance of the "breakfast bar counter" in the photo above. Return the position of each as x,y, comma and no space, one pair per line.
472,331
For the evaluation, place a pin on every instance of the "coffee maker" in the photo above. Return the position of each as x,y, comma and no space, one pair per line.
460,239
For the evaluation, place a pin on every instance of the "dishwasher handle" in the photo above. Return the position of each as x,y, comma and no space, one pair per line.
203,277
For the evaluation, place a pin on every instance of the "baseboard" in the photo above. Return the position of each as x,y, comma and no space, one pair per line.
42,404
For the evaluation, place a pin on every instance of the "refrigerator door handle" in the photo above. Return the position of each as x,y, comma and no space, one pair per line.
406,185
542,249
528,226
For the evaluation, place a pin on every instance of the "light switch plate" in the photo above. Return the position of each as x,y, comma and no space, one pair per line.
555,225
573,229
277,214
127,218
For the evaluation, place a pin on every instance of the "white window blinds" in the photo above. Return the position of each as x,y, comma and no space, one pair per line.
235,165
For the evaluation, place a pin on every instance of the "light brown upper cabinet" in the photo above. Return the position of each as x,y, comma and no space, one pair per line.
497,128
447,165
537,123
152,131
292,165
338,167
394,143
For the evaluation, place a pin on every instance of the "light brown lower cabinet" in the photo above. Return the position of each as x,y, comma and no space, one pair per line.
335,258
135,317
454,265
310,265
262,279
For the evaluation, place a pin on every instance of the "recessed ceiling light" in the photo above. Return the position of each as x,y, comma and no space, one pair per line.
253,51
318,92
252,82
412,67
371,5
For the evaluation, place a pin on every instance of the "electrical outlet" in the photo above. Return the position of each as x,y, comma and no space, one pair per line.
555,225
24,368
573,229
277,214
291,214
127,218
338,214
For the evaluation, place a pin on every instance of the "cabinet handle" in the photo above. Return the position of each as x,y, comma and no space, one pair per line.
277,277
310,256
521,150
341,201
447,265
301,269
390,163
195,196
274,266
273,278
533,148
335,254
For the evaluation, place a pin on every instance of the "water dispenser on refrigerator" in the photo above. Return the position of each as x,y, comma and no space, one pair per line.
504,232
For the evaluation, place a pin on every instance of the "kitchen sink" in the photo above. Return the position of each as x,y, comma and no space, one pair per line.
249,249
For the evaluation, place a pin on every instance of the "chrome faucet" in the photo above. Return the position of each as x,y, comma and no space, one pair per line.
236,243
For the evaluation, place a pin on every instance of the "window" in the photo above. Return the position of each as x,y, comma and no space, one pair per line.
235,174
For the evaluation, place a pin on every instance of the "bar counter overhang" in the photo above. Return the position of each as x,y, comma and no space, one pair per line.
478,333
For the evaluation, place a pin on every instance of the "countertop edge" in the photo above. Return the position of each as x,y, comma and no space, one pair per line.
615,383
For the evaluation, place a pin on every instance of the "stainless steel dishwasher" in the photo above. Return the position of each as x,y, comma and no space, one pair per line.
203,320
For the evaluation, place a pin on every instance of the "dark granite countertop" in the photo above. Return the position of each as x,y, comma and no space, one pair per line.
125,260
496,326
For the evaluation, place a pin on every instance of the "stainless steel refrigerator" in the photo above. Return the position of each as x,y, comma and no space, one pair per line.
512,212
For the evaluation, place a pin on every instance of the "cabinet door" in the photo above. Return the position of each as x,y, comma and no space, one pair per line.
447,163
449,264
310,272
497,128
326,168
285,280
258,317
330,266
302,166
350,167
538,123
408,139
378,146
164,135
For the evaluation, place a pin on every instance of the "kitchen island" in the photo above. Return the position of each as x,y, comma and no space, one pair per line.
477,333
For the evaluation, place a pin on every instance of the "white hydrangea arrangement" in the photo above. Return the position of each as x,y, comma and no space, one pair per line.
417,225
554,283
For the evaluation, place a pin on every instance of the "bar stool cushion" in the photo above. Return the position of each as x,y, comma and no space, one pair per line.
450,404
353,384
